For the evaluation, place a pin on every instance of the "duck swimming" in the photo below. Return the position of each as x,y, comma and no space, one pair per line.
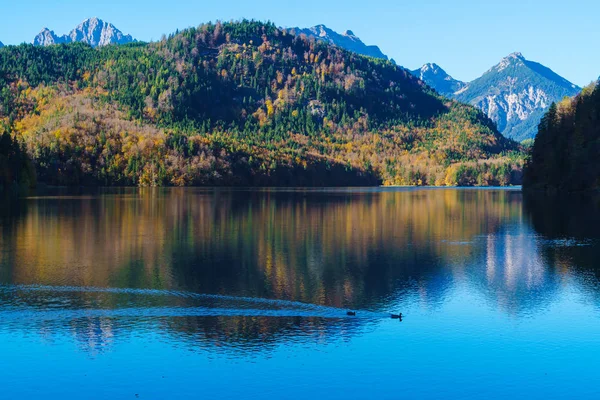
351,313
397,316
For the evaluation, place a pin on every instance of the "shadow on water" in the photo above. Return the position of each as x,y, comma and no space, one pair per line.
570,227
242,268
573,215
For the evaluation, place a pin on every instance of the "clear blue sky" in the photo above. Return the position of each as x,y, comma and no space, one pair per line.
465,37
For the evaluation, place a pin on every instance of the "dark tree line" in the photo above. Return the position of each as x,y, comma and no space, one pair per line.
565,153
15,166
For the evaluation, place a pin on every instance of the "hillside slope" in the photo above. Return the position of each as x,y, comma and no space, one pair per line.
240,104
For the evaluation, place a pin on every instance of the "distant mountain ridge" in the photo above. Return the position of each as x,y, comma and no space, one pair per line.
514,93
348,40
92,31
1,44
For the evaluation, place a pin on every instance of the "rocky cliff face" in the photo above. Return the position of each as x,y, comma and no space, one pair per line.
96,32
93,31
514,93
348,40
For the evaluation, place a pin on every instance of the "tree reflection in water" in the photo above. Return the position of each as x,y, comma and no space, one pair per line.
371,249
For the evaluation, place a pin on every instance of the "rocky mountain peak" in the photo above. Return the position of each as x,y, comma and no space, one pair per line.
516,55
348,40
515,93
515,59
438,79
96,32
433,69
317,30
46,37
92,31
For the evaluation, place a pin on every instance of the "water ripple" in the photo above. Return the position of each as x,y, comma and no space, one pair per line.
274,308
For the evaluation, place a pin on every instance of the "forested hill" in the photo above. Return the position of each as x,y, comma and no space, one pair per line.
239,104
565,153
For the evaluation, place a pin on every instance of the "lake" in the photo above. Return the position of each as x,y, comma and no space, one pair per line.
202,293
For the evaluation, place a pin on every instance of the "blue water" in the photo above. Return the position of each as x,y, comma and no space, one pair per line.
191,293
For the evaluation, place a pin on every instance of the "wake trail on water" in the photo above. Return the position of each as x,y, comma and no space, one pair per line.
280,308
161,312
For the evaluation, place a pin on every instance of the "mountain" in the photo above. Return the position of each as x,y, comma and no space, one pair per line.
1,44
242,103
92,31
348,40
515,93
564,157
438,79
46,37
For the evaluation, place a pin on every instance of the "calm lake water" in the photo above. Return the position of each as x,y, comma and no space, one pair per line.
195,293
